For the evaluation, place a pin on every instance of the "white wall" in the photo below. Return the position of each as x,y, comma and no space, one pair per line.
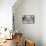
31,31
6,13
43,22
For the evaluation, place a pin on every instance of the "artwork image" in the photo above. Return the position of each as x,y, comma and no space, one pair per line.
28,19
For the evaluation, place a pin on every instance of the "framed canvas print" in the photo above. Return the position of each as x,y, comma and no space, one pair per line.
28,19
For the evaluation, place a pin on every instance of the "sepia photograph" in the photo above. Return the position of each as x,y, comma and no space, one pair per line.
28,19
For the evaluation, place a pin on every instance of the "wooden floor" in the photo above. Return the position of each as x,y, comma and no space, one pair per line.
9,43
